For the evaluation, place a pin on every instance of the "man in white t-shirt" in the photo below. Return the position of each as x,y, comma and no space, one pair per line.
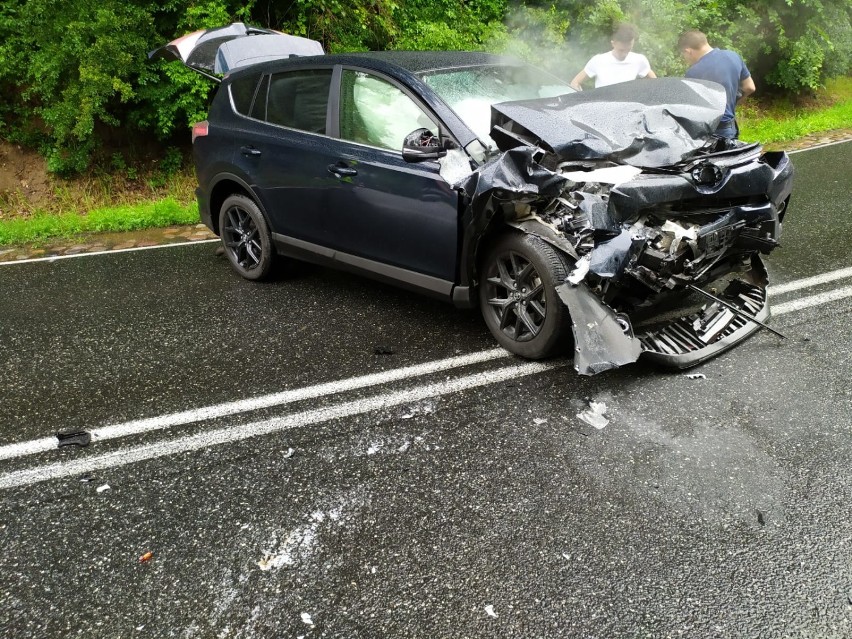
618,65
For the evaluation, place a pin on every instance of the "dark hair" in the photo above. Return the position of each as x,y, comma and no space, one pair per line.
691,39
625,33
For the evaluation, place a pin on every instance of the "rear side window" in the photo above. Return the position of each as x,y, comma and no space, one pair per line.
242,93
299,99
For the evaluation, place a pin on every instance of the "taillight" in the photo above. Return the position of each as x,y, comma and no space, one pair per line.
199,129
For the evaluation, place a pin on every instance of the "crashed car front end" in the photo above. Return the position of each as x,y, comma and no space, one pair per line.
662,223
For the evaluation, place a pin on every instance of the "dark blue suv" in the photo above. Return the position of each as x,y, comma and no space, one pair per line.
481,180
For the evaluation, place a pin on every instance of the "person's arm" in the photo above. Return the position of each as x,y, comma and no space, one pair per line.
746,88
650,74
579,79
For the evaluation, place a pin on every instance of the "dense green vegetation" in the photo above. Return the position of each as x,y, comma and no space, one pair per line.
77,82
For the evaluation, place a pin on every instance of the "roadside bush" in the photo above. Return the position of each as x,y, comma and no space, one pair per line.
75,73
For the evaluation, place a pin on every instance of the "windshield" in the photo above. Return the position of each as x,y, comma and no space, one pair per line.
471,91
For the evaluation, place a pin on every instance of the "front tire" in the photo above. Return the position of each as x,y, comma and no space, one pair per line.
517,296
246,237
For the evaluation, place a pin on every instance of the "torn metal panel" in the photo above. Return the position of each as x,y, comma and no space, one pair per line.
769,179
602,339
642,123
609,259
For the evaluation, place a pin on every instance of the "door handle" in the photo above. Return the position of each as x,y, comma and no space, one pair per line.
340,170
250,151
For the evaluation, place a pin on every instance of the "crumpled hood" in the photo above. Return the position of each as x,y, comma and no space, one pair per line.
645,123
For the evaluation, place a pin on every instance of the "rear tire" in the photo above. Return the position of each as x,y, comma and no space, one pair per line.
246,238
517,296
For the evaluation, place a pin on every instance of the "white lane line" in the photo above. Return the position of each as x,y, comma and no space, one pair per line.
227,435
53,258
813,300
160,422
819,146
807,282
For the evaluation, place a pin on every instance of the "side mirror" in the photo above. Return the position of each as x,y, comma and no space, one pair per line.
420,145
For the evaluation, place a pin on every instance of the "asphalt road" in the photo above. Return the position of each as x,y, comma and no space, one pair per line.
328,456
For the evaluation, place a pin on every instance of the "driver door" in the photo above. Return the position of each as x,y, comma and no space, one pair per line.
385,209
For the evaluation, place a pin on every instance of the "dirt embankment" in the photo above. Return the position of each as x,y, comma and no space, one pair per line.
23,176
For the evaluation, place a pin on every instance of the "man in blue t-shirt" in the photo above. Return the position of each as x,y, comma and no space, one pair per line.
718,65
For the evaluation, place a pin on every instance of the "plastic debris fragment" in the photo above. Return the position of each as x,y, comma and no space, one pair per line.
489,610
148,556
383,350
103,488
290,452
594,415
695,376
306,619
76,438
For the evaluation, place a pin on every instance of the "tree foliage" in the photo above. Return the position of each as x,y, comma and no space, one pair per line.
75,72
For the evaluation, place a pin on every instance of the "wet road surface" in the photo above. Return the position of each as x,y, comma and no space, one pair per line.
328,456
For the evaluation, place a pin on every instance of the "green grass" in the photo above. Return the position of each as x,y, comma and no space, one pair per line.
783,120
130,217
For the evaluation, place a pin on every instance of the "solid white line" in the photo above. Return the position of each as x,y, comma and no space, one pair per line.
807,282
813,300
198,441
819,146
160,422
113,252
265,401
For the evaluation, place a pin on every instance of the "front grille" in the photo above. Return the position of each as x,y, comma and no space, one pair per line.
711,324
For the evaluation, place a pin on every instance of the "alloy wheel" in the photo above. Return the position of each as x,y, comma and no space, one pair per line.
242,239
515,295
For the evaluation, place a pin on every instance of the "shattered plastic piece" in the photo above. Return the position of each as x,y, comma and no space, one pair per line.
538,421
695,376
290,452
103,488
383,350
566,556
455,166
594,415
146,557
489,610
602,339
76,438
306,619
581,269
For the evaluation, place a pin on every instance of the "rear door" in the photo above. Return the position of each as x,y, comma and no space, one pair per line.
281,144
386,209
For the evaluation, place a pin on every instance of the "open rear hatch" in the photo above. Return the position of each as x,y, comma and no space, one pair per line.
217,51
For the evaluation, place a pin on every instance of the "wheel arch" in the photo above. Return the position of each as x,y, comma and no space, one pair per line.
225,185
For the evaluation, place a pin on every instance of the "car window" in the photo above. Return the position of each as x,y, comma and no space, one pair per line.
299,99
242,93
375,112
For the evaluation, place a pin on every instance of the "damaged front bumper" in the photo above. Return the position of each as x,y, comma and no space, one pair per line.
639,239
604,339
